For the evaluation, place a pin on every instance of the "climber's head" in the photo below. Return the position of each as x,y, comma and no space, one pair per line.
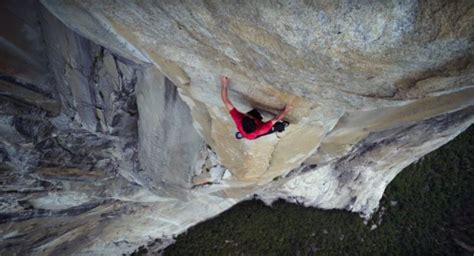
248,124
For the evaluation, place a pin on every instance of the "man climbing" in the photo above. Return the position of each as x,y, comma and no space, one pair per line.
251,125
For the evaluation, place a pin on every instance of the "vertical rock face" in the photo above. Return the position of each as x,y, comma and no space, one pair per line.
22,51
168,142
24,73
327,60
113,134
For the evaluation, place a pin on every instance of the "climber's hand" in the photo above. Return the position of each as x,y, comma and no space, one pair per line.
225,81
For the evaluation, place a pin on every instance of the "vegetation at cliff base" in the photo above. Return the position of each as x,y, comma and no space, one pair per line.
428,209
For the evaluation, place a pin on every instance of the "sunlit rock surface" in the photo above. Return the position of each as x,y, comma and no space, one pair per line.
113,134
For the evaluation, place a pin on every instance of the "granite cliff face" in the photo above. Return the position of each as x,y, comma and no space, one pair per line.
113,134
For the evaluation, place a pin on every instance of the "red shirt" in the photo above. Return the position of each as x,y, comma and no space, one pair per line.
261,127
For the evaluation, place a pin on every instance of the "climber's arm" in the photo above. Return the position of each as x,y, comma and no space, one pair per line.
282,115
225,98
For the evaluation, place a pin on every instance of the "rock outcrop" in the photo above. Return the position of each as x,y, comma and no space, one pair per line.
114,136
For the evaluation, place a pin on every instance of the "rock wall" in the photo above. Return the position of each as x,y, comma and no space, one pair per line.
327,60
168,142
357,181
71,178
22,51
113,134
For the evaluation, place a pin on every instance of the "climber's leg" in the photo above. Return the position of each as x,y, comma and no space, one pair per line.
255,114
277,127
270,132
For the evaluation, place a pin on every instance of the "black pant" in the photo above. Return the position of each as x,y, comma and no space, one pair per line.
277,127
255,114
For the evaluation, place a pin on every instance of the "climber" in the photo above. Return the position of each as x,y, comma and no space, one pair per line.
251,125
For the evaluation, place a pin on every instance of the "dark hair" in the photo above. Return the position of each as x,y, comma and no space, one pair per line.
248,124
